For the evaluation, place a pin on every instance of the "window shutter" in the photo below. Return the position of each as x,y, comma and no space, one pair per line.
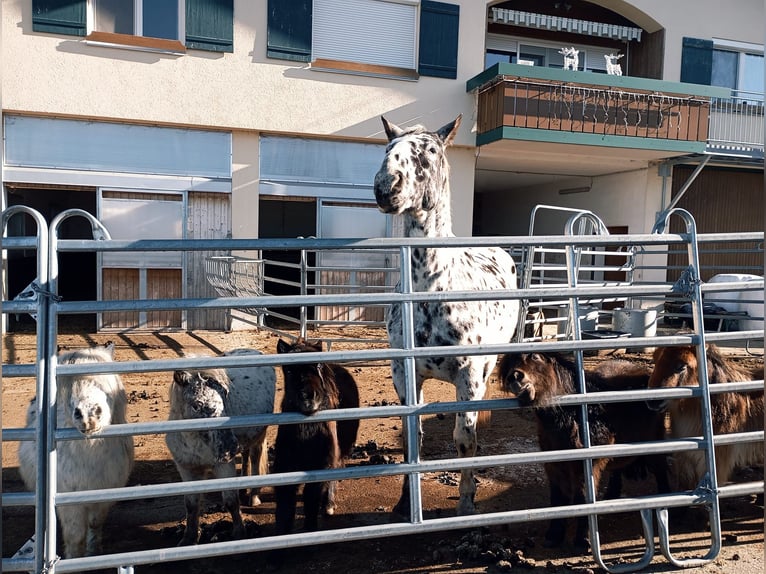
439,26
697,61
210,25
289,30
59,16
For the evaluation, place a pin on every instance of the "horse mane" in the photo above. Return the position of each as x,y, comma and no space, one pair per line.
722,371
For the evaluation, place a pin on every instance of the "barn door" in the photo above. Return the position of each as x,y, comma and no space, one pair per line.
141,275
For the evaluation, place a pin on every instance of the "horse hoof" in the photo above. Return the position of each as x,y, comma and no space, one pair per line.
466,508
402,508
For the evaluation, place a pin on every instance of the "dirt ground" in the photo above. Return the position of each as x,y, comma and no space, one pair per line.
158,523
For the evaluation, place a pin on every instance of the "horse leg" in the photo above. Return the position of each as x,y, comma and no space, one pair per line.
554,536
397,371
231,499
191,504
257,454
466,443
470,385
328,497
312,498
74,528
581,541
96,518
285,497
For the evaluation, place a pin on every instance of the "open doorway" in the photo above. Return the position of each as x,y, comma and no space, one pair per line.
77,271
288,219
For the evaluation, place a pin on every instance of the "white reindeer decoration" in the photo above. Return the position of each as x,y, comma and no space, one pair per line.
612,67
571,58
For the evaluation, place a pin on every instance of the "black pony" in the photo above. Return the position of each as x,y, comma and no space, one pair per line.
310,388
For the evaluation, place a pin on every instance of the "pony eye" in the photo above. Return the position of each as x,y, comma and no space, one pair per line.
537,357
98,411
681,368
432,150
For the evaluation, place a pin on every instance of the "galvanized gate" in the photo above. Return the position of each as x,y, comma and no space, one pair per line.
47,307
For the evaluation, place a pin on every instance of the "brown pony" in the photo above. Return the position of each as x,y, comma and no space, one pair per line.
310,388
731,412
537,380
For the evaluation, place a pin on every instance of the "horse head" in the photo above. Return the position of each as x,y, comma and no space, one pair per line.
533,377
204,394
309,387
89,407
673,367
414,168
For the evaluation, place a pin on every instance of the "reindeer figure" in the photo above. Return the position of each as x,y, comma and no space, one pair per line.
612,67
571,58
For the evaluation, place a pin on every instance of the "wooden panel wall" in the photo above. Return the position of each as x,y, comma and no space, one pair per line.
120,284
208,217
163,284
721,201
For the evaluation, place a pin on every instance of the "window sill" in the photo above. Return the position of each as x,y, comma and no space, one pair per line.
374,70
140,43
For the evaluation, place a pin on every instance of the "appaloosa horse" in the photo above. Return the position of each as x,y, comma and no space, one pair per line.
414,182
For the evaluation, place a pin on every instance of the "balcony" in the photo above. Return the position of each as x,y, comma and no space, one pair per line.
736,126
517,102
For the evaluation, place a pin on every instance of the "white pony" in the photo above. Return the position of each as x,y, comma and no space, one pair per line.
207,393
413,182
89,403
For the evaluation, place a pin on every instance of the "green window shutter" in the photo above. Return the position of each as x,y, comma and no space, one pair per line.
210,25
439,26
697,61
289,30
59,16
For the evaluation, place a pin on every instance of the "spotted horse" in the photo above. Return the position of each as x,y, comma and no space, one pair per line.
413,182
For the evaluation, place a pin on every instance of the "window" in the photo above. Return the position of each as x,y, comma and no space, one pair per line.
739,70
399,38
150,18
346,31
512,50
729,64
155,25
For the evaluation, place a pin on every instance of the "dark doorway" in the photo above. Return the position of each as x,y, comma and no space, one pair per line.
286,219
77,279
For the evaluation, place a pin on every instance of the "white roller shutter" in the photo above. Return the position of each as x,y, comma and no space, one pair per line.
365,31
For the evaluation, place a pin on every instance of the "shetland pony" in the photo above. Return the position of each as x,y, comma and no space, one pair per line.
209,393
89,403
537,380
731,412
310,388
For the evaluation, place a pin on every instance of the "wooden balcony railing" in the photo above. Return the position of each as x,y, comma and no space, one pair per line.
589,109
525,98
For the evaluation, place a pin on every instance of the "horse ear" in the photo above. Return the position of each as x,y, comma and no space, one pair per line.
282,347
447,133
182,378
392,130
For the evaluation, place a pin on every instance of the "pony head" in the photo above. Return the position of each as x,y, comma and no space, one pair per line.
673,367
309,387
204,394
90,409
414,168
